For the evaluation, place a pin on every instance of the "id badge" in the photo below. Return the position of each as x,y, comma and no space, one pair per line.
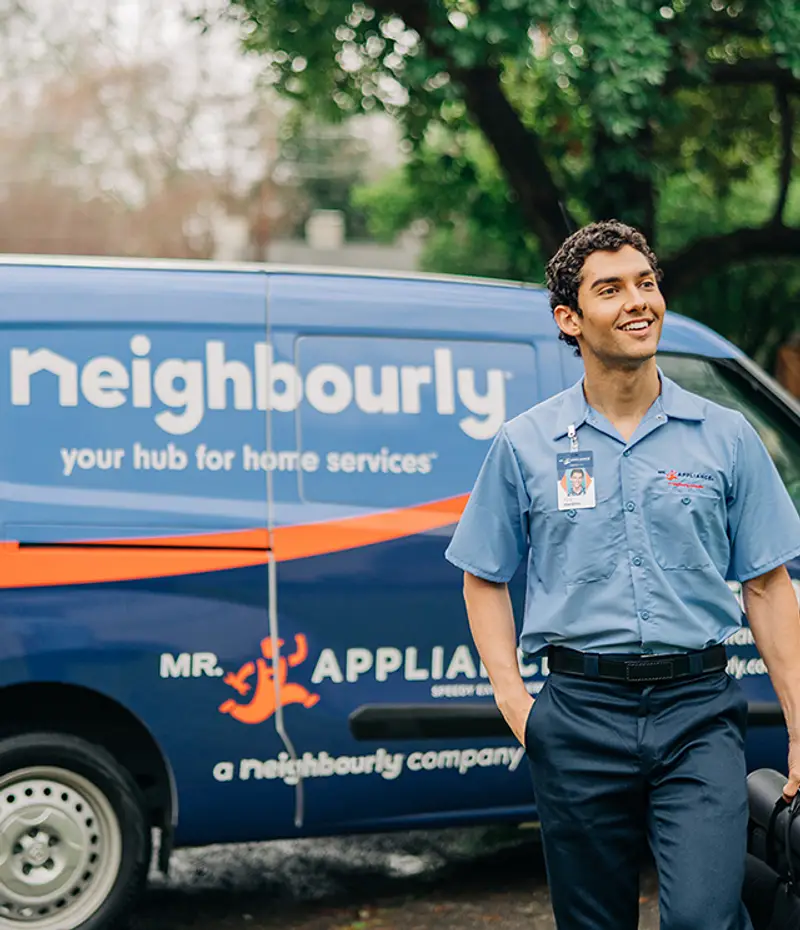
576,489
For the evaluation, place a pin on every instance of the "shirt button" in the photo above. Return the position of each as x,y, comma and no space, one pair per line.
637,561
630,506
572,513
626,453
686,500
645,615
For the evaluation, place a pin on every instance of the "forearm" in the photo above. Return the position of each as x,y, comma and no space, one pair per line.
491,620
772,613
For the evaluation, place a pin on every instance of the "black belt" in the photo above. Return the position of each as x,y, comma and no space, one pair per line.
637,668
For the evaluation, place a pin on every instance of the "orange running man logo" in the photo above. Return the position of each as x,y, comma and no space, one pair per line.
263,704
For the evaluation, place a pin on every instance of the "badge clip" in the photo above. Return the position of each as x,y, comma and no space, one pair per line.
573,438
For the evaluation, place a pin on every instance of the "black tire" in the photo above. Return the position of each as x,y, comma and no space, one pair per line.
119,828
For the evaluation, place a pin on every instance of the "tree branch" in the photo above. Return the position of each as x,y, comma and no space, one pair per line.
787,153
733,27
755,72
761,71
714,253
518,149
520,156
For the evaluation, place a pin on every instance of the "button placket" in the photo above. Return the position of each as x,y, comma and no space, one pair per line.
631,468
631,514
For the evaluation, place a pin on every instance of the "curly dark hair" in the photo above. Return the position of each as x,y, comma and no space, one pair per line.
563,271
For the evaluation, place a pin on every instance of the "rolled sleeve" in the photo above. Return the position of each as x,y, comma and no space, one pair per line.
491,538
763,524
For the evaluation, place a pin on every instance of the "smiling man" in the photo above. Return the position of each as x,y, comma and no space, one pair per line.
638,733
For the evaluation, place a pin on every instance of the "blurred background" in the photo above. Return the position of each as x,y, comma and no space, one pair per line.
463,136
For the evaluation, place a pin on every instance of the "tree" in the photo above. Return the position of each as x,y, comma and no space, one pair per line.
322,163
127,130
755,304
588,106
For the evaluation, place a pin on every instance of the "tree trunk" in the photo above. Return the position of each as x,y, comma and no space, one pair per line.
519,154
518,148
623,193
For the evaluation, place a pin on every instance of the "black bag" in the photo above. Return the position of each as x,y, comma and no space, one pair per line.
771,892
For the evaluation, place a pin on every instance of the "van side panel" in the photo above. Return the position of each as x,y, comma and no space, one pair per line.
406,386
135,551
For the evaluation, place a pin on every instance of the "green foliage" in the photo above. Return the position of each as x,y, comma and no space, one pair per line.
757,304
660,112
454,184
692,204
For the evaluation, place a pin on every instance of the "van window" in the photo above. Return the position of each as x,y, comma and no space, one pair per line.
724,385
397,422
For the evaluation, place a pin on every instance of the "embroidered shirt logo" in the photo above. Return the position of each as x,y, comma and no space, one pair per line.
686,479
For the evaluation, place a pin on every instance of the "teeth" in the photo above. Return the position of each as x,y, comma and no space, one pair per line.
640,325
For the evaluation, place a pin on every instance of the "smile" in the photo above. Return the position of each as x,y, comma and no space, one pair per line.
637,326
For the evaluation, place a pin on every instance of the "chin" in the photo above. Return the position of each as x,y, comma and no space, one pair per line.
633,359
629,356
643,351
646,351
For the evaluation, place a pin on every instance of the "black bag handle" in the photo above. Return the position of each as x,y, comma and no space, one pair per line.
794,810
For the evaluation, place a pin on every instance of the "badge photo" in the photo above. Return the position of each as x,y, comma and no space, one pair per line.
576,486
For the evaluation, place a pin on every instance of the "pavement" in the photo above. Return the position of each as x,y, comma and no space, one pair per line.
453,879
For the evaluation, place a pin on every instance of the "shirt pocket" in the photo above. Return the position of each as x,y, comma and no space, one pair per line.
579,546
687,530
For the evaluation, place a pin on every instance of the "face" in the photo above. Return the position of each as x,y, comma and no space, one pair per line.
622,309
576,481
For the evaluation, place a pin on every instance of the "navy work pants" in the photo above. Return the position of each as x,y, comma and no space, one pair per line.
618,765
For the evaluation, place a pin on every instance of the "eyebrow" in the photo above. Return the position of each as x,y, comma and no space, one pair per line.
616,279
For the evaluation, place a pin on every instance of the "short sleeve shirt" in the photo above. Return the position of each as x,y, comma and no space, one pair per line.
691,502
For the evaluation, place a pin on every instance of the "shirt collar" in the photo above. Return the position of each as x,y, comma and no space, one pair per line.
574,410
676,403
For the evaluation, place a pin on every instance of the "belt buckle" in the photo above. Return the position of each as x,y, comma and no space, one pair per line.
656,670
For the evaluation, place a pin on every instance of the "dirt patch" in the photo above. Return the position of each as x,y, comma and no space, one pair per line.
448,880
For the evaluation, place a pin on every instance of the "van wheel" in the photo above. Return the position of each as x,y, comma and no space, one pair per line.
74,837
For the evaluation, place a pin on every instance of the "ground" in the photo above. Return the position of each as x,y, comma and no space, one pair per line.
448,880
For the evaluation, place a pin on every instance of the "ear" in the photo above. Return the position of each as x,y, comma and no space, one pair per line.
567,320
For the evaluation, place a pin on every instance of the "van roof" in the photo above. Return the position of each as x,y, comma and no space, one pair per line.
681,334
189,264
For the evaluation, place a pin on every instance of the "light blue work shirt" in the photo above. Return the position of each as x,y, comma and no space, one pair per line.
692,500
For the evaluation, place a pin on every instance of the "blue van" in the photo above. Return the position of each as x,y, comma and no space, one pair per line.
225,615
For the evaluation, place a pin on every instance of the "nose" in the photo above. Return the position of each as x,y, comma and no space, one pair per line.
634,300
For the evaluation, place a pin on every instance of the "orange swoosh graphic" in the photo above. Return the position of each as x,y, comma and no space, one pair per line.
299,542
161,557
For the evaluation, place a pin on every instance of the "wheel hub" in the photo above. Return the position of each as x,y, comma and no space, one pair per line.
60,849
37,854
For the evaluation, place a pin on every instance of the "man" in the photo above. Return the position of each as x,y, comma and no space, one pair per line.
576,478
637,734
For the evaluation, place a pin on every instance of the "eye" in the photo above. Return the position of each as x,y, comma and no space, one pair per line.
607,291
649,284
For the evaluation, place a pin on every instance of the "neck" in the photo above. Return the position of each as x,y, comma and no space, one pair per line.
620,393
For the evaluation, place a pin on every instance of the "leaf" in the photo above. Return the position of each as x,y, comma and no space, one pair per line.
610,104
